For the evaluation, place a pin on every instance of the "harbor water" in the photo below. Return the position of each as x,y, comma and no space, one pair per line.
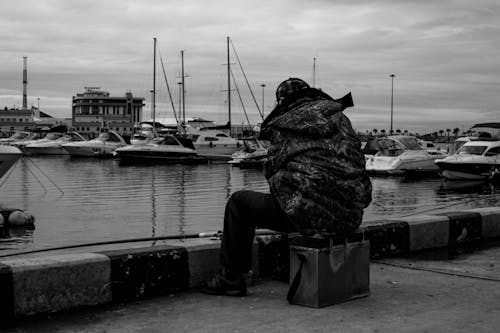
77,201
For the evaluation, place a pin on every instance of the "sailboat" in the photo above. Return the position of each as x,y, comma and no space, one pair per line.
164,148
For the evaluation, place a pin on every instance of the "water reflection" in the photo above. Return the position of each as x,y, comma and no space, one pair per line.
100,200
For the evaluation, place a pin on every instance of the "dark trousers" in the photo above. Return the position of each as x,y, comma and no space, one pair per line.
245,211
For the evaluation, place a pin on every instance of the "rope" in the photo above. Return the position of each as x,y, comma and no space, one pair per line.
34,176
168,88
43,173
246,80
9,173
239,95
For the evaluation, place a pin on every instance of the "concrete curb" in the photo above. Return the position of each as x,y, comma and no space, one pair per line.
53,283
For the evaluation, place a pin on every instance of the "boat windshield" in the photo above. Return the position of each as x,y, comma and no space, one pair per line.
102,137
471,150
410,143
457,144
169,141
19,135
53,136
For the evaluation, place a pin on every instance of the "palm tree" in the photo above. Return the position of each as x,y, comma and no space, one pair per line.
375,131
406,132
448,133
441,132
383,132
456,130
398,131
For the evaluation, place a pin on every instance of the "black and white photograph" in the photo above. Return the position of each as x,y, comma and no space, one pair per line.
249,166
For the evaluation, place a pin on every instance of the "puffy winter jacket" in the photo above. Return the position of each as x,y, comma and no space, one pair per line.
315,167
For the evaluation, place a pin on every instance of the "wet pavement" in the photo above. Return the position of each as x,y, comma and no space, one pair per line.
406,295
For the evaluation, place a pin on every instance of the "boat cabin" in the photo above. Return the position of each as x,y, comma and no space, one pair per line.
396,145
481,148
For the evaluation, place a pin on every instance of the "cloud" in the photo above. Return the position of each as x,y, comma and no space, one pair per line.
444,54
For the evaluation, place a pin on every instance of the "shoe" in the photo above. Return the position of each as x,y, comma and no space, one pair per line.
221,285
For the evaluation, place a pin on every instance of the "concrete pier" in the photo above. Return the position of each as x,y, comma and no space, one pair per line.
47,283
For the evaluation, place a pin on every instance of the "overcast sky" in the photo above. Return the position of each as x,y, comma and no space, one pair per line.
445,55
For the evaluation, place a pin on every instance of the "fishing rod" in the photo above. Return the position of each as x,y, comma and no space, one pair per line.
217,234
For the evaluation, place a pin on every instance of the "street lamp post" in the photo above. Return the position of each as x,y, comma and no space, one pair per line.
263,86
392,97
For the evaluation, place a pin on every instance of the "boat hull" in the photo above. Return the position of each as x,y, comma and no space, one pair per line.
465,171
385,165
217,152
145,157
90,150
54,150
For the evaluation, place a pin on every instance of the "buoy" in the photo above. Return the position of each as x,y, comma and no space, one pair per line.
20,218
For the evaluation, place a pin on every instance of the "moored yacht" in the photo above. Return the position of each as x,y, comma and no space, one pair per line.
102,146
214,145
17,137
53,147
162,149
398,155
49,137
8,157
475,160
252,154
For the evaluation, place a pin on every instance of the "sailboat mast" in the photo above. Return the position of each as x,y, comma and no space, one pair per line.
154,85
183,90
228,87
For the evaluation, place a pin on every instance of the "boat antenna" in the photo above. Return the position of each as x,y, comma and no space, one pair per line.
228,86
153,107
183,92
246,80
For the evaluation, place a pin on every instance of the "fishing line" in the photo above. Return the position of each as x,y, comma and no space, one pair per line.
218,234
443,207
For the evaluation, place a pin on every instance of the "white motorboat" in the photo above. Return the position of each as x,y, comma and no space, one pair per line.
102,146
49,137
163,149
475,160
252,154
214,145
431,148
53,147
18,136
398,155
8,157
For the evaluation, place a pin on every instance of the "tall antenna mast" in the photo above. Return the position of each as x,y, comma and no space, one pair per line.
183,90
228,87
25,83
153,107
